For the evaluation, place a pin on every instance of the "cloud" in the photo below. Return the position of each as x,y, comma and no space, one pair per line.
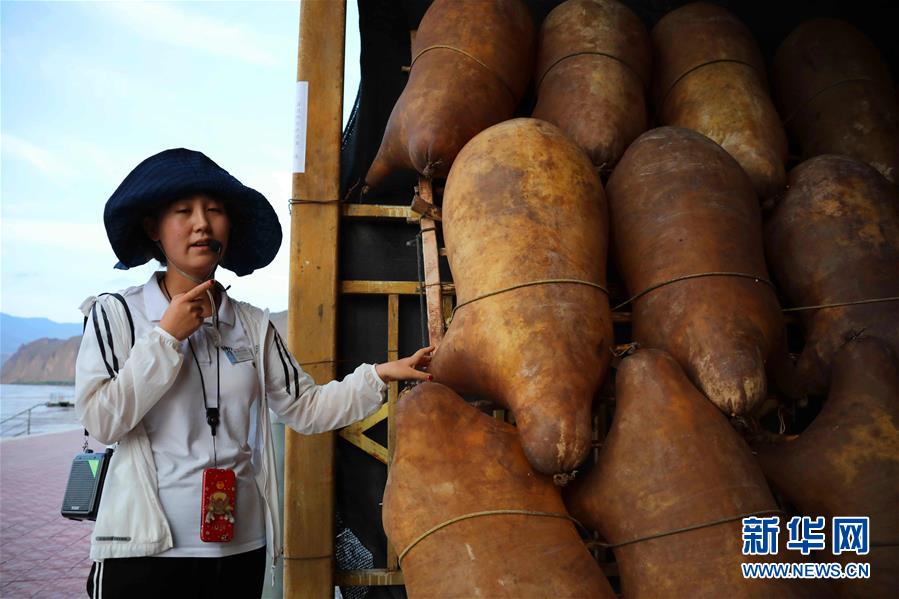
87,80
102,162
77,238
82,158
167,23
38,157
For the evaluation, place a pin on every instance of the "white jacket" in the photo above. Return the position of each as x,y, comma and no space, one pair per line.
131,521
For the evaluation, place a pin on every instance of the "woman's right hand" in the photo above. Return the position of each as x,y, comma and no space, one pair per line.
186,312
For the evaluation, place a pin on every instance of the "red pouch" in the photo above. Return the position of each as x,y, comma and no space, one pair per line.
217,517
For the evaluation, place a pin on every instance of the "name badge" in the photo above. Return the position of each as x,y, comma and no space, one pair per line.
238,354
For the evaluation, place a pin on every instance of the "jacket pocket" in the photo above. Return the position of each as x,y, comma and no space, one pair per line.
130,522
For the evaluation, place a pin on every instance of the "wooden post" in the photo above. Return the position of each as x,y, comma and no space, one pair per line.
433,288
312,308
393,353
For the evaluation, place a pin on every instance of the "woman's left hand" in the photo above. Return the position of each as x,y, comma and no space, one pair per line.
408,369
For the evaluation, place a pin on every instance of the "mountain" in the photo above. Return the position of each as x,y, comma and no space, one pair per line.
42,361
53,360
16,331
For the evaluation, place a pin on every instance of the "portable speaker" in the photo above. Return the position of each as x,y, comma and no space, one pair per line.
82,498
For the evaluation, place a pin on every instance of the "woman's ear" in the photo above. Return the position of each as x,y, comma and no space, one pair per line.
151,228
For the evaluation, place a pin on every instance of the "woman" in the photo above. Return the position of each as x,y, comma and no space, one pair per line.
181,377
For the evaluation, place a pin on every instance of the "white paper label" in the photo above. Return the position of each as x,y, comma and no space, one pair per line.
299,127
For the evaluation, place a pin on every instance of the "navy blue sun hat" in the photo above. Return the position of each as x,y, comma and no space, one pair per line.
173,174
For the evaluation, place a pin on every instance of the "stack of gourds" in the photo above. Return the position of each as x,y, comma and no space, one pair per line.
474,504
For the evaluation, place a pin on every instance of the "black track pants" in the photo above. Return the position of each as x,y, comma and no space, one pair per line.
240,576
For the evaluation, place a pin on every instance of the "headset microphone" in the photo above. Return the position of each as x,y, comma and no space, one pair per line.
214,244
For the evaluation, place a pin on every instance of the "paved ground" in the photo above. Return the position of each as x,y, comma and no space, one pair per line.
41,553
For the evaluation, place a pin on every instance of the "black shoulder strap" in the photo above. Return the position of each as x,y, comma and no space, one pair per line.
114,368
127,313
109,369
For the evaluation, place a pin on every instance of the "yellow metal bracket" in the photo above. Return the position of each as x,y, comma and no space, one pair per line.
355,434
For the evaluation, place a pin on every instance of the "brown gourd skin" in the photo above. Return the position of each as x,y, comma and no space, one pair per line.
834,237
599,101
523,203
671,460
846,463
836,95
680,205
453,460
450,97
727,100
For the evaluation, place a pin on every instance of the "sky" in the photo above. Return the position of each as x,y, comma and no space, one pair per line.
90,89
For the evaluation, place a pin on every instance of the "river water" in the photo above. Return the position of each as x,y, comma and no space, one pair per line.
17,398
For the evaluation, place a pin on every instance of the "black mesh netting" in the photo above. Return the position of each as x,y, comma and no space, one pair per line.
351,554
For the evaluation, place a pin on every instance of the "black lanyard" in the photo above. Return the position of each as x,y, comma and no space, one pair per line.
212,413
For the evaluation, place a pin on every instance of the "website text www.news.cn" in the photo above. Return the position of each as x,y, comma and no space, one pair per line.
849,534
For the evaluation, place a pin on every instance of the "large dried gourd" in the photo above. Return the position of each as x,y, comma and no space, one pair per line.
593,72
471,64
688,236
834,239
672,484
836,95
710,77
470,517
846,463
525,225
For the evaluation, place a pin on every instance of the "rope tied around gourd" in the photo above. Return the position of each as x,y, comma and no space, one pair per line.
529,284
468,516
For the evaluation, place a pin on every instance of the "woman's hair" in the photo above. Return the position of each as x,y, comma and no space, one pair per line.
157,252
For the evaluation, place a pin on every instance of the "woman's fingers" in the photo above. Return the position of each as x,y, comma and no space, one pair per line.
199,292
411,368
187,311
417,375
196,304
423,354
424,376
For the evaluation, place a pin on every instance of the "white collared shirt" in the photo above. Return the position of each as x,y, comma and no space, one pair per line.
181,439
